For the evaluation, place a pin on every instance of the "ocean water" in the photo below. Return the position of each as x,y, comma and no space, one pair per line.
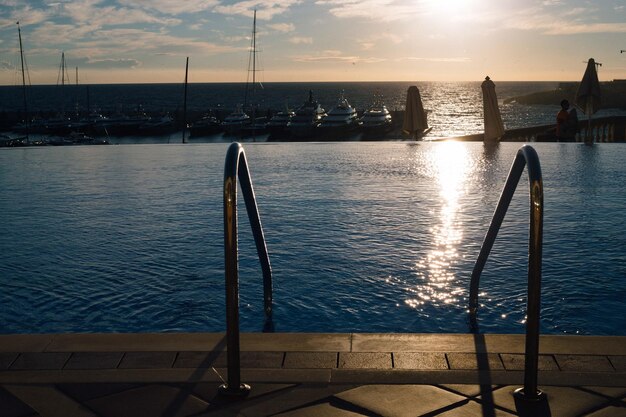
363,237
453,108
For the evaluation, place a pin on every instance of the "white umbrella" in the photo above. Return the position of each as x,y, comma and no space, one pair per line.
494,128
414,122
588,94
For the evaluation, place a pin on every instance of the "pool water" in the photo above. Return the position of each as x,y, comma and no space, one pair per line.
363,237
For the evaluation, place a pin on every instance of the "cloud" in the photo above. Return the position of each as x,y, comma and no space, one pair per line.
266,9
282,27
108,63
90,12
335,56
381,10
424,59
171,7
370,42
26,15
6,66
578,20
301,40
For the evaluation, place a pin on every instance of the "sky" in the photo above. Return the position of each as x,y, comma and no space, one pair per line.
148,41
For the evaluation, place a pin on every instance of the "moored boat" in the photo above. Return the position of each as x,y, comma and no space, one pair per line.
234,122
206,126
340,120
277,125
306,119
376,120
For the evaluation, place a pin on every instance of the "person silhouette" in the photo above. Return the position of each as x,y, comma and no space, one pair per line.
566,123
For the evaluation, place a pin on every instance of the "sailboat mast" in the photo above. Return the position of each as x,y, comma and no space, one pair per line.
253,75
62,69
185,101
254,54
19,34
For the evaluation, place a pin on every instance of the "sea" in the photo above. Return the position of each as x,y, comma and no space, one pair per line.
453,108
362,236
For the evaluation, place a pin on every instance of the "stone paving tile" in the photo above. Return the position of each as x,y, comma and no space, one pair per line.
6,359
12,407
280,402
420,360
401,400
246,359
610,411
309,360
320,410
200,360
83,392
474,409
47,400
473,361
365,360
209,391
262,359
149,400
147,360
611,392
619,362
515,362
562,401
40,360
94,360
469,390
586,363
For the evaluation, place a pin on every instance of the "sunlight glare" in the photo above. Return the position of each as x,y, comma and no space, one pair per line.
448,8
450,165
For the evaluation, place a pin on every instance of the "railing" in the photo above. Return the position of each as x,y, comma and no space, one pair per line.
601,130
526,156
237,165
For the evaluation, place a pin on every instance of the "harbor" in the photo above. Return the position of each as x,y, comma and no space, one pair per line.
395,209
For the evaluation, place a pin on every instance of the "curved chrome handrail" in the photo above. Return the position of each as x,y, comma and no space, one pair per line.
237,165
526,156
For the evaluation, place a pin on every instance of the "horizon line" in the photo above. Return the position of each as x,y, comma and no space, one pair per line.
301,82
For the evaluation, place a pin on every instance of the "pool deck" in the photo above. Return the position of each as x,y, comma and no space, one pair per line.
303,374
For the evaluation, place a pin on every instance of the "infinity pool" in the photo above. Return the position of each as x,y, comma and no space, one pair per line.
363,237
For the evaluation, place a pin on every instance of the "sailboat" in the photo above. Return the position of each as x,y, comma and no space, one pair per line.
239,122
7,141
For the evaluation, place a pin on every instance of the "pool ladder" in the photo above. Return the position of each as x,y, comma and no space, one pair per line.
236,165
526,156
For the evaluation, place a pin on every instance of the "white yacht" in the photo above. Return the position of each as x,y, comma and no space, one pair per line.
376,120
340,119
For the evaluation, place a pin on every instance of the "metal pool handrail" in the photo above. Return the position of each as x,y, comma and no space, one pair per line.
526,156
237,165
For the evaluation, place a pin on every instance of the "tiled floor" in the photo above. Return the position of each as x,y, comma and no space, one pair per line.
301,375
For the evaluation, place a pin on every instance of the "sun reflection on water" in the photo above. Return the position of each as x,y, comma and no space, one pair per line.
449,164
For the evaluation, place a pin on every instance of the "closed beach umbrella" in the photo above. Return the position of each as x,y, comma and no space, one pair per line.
414,115
588,94
494,128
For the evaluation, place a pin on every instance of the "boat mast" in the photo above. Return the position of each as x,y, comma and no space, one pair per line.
185,101
19,34
253,52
